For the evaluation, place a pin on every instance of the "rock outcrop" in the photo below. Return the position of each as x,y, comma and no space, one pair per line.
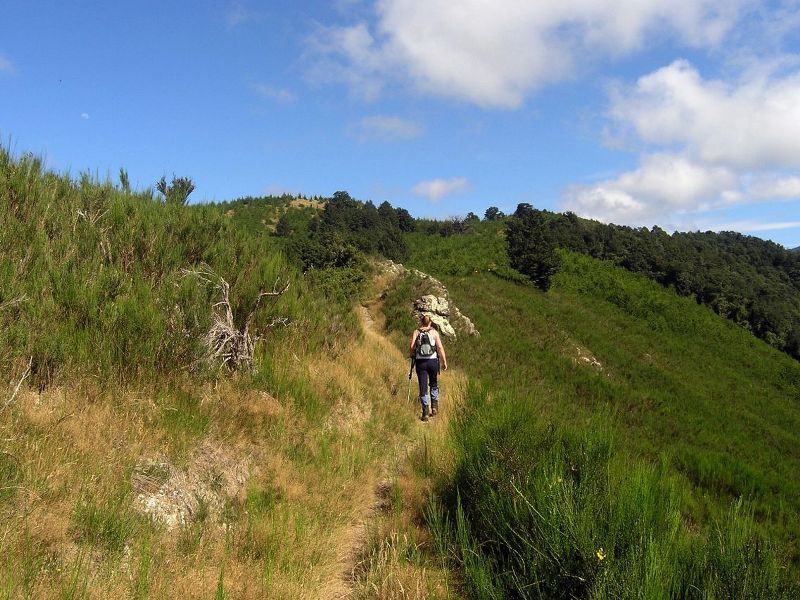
175,497
436,303
438,309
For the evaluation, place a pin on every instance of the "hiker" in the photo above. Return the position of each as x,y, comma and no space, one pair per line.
427,354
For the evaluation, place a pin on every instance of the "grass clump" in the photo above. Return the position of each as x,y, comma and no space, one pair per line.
10,476
105,525
182,414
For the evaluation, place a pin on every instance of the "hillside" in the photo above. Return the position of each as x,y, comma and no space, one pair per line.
134,463
616,362
212,401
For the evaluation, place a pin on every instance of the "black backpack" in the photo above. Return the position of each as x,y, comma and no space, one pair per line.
426,346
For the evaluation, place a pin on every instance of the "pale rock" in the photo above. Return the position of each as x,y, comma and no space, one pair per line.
432,304
436,305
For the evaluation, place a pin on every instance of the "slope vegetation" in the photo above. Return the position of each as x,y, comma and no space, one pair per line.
617,439
134,466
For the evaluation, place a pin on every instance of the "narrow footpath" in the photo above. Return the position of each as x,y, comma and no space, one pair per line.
386,550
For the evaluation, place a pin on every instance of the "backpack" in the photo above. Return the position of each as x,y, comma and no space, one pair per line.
426,346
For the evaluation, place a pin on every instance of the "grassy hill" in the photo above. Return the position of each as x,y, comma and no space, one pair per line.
132,465
631,394
613,440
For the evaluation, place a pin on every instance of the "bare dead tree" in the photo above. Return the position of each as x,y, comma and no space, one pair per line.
224,342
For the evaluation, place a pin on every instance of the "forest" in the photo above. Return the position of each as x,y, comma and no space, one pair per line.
753,282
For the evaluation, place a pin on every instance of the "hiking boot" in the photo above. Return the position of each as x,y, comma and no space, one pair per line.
425,413
434,408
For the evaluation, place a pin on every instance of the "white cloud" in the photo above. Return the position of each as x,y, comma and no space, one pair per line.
754,123
282,96
754,226
776,188
85,116
385,128
495,53
347,55
663,185
706,144
436,189
6,66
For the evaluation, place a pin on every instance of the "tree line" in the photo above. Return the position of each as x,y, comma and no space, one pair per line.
753,282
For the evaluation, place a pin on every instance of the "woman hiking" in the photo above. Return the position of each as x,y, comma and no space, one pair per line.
426,351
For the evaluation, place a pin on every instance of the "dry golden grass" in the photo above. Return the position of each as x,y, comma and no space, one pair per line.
399,559
301,203
311,519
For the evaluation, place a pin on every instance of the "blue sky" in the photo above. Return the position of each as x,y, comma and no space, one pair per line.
642,112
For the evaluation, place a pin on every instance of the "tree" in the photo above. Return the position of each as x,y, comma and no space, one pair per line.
405,221
493,214
177,192
283,228
389,215
531,246
472,217
452,226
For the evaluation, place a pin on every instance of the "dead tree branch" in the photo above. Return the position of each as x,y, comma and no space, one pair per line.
225,343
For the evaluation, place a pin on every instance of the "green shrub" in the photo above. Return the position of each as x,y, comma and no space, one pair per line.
92,278
539,511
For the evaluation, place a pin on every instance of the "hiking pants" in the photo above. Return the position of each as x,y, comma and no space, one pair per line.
428,372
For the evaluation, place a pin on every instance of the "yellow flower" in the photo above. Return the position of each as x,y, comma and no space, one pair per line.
601,554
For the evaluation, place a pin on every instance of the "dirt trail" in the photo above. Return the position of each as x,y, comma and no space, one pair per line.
349,577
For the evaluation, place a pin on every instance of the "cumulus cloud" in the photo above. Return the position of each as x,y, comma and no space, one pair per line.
347,55
85,116
663,185
279,95
495,53
385,128
709,143
752,123
436,189
6,66
754,226
776,188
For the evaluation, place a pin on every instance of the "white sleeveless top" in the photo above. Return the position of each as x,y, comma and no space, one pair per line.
434,335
